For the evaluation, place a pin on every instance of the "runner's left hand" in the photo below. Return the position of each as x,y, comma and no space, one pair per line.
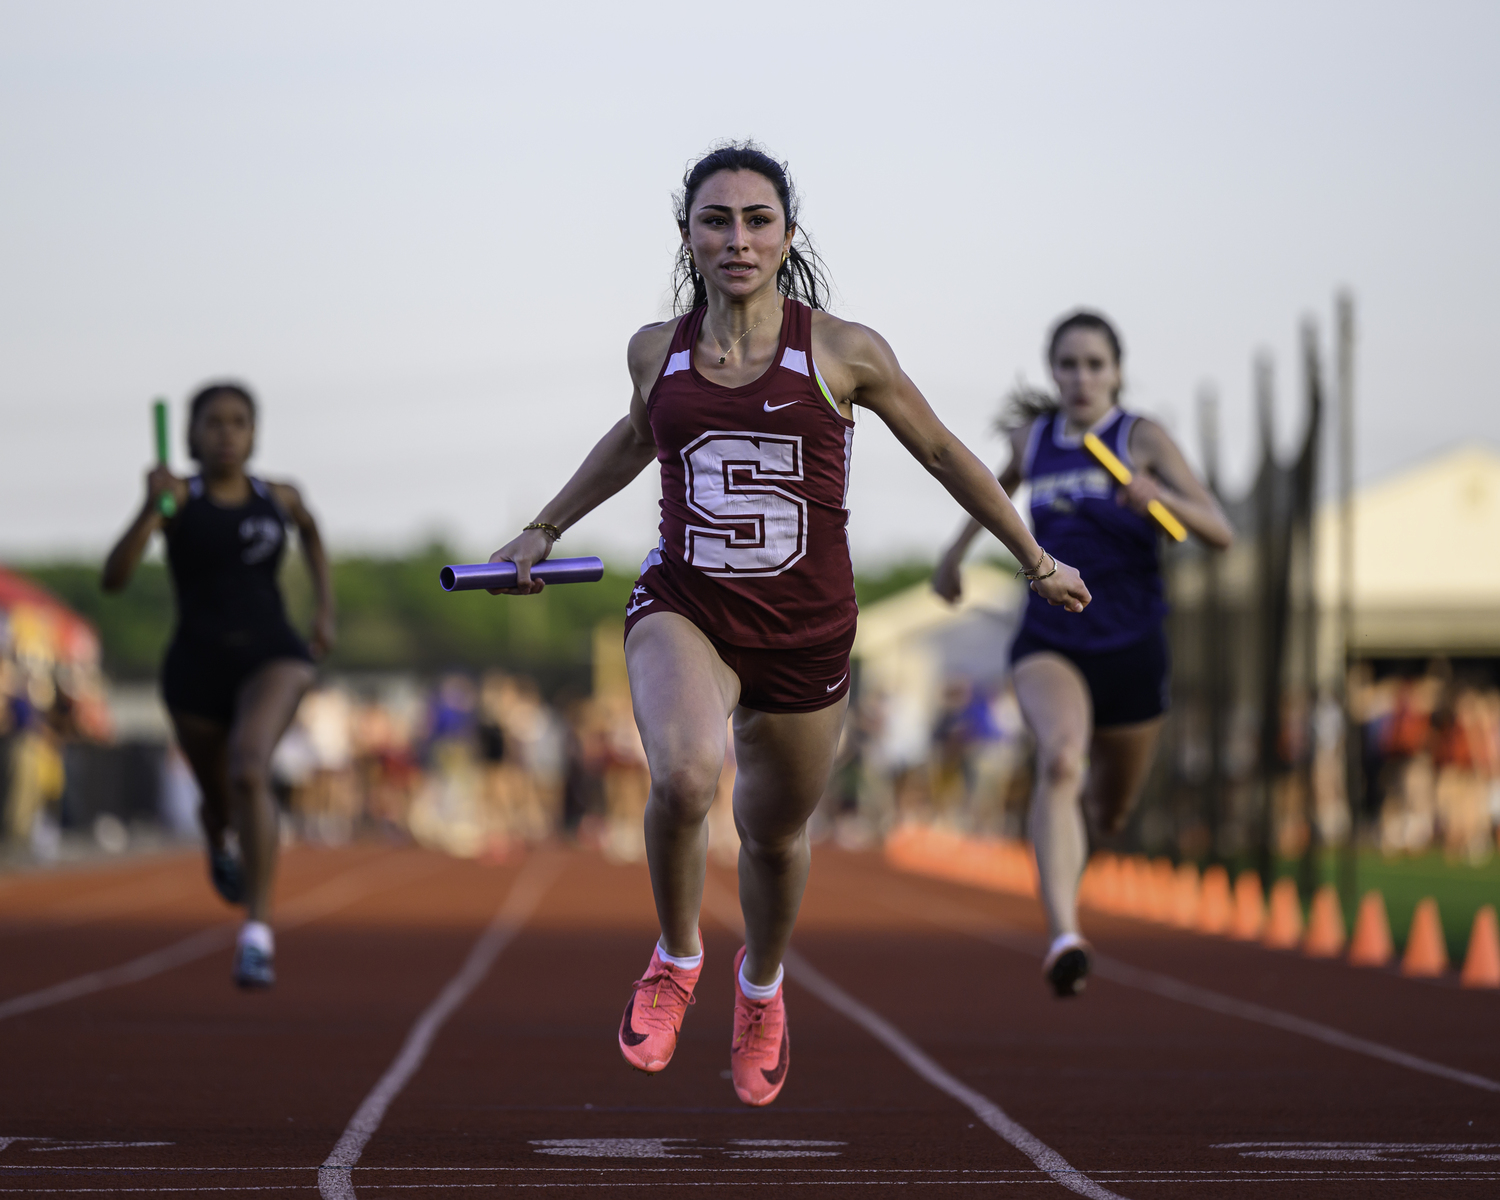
321,642
1064,588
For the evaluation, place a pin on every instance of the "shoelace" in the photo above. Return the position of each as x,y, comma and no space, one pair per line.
752,1014
662,979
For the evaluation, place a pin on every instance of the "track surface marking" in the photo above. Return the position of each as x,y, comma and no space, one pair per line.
726,911
179,1084
329,897
525,894
1187,993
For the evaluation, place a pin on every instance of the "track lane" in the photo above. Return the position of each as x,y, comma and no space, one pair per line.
1121,1077
523,1088
526,1085
242,1080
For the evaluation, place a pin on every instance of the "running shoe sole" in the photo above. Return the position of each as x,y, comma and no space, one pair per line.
1068,974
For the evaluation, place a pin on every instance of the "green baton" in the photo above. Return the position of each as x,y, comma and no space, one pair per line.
166,503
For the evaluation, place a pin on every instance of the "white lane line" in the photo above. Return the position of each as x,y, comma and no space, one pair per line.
1187,993
336,893
334,1179
1046,1159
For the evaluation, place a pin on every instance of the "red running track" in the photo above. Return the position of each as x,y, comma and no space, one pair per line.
446,1028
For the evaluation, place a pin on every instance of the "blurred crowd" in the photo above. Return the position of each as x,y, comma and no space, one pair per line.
1431,746
965,766
474,767
478,766
51,693
1429,738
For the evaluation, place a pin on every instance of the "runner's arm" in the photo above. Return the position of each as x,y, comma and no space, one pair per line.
313,551
126,555
946,581
880,385
616,459
1165,475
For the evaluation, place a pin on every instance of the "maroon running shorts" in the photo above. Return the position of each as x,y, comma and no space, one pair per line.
790,680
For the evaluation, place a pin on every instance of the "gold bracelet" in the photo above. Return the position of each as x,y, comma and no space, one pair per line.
554,533
1041,558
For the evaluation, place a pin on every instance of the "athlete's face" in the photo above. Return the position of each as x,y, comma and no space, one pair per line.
737,232
223,435
1087,375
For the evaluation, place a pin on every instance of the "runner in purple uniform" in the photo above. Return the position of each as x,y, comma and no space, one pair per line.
1093,688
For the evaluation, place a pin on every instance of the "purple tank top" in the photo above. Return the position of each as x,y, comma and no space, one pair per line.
1075,517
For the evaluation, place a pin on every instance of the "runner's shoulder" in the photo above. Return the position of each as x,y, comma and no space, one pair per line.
1149,442
648,347
287,495
852,345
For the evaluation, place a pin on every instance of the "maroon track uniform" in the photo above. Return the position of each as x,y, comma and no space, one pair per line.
754,546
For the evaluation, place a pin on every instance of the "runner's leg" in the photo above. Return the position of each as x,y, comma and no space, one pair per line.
784,761
266,704
1055,701
683,694
1119,760
205,745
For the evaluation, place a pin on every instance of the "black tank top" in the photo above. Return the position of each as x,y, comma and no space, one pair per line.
224,563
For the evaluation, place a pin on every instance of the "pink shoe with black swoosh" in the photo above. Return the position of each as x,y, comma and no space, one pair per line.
658,1002
761,1050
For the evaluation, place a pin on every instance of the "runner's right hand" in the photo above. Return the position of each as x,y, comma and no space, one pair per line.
531,546
1064,588
945,580
161,482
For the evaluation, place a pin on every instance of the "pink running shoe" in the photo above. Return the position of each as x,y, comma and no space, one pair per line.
760,1052
659,1001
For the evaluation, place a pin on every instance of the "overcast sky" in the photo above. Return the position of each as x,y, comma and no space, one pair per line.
424,232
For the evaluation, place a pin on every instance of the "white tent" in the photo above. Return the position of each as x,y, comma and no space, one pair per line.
1426,558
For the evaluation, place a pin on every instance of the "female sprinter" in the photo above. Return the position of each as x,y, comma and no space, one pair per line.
1092,688
746,607
235,670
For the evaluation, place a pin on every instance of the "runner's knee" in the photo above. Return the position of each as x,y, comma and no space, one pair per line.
1060,768
684,791
249,774
778,853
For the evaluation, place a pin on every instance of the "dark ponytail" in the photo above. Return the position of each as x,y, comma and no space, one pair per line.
802,276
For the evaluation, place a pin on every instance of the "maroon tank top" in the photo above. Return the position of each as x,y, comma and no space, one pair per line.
754,532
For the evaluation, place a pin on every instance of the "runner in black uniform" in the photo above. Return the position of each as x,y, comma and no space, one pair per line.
236,670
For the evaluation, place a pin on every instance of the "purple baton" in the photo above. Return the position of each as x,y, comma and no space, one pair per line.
477,576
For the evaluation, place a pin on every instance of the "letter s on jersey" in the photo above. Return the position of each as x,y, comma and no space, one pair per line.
758,528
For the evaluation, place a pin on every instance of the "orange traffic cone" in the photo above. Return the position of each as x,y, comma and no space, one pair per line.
1214,910
1088,882
1325,925
1105,890
1249,907
1284,928
1482,963
1426,954
1185,897
1372,946
1163,884
1131,893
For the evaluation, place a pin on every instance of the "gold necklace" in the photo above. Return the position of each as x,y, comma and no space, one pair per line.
740,339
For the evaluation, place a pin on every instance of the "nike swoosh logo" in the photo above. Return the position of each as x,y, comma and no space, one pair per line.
769,408
779,1073
842,677
628,1035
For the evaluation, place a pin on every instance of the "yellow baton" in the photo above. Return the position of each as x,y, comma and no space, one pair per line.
1122,474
